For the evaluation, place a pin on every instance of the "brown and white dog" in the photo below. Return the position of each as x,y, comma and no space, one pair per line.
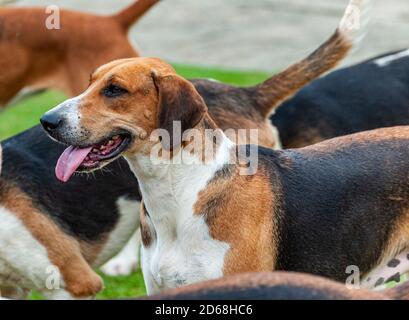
246,108
320,209
34,57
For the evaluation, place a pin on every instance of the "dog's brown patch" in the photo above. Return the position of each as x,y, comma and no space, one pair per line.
63,251
239,211
398,240
145,229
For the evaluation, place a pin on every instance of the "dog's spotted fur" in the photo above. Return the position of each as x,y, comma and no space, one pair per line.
392,271
146,228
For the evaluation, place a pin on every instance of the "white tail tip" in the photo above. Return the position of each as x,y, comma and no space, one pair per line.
355,20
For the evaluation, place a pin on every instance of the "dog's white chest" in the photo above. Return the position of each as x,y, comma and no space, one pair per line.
182,250
181,257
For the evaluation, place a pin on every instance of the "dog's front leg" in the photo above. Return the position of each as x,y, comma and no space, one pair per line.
126,261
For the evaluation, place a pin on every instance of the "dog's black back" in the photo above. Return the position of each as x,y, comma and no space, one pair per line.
340,201
362,97
86,205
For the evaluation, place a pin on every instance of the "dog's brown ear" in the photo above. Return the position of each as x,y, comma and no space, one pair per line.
178,101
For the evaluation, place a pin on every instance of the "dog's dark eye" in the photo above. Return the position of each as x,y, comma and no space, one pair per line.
113,91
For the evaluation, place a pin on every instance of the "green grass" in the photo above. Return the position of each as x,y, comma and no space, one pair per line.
240,78
115,287
27,113
123,286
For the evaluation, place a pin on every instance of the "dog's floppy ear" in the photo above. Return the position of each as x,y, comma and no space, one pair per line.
178,101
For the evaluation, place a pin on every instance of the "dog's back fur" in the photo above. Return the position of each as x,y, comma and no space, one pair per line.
362,97
342,202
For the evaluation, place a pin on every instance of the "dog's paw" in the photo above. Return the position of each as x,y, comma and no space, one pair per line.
121,266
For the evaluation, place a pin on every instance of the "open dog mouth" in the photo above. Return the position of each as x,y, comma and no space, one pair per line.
90,158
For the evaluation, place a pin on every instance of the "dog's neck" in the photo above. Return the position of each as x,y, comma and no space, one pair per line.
170,189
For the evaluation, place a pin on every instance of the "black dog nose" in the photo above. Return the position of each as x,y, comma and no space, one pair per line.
50,122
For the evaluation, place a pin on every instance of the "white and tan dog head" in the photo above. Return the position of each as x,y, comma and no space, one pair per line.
126,101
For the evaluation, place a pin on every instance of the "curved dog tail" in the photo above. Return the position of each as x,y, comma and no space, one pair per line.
400,292
134,12
285,84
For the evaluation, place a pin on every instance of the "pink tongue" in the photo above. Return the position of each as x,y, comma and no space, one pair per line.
69,161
